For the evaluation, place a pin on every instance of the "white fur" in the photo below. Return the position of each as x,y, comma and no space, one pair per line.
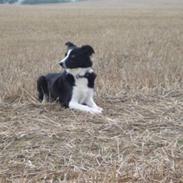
82,94
64,59
45,99
79,71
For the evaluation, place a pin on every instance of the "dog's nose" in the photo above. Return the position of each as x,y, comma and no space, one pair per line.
62,64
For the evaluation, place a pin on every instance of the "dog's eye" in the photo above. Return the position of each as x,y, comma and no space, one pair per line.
65,54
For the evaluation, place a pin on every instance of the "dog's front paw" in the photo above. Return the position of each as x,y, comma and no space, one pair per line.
100,109
97,110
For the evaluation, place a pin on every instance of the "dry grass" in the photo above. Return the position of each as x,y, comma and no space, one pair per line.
139,137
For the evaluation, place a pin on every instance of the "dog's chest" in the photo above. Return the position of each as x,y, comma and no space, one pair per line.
81,91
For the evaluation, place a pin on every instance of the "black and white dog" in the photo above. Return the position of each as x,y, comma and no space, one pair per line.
73,88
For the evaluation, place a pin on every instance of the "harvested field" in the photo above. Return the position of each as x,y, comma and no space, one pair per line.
138,138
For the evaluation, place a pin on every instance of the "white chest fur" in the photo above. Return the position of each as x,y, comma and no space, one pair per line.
82,95
81,91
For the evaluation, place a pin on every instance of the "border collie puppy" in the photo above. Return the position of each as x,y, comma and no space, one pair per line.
74,88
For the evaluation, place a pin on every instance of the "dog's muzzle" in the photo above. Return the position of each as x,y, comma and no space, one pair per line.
62,64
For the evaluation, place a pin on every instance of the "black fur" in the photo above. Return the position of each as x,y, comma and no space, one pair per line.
79,57
70,45
42,88
91,79
59,86
56,86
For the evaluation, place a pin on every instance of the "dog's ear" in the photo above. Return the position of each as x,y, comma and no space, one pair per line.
70,45
87,49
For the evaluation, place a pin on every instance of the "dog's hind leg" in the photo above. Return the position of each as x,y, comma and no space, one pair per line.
42,88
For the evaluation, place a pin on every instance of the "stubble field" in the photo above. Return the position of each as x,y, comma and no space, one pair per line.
138,61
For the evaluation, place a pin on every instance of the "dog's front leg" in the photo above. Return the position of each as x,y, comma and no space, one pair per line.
77,106
90,102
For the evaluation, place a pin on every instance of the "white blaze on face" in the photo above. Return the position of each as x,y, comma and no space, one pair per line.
67,56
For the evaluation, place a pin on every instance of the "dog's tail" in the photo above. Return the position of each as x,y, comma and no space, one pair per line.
42,88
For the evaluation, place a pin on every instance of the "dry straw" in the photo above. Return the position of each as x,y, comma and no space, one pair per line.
138,138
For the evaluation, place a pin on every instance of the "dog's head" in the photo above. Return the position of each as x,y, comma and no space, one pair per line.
77,57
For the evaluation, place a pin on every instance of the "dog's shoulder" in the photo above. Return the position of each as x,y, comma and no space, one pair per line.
69,78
